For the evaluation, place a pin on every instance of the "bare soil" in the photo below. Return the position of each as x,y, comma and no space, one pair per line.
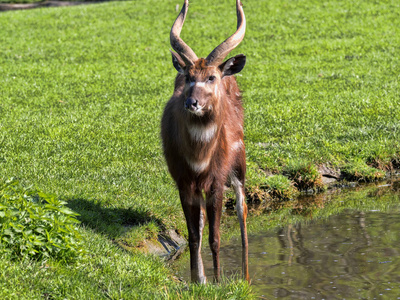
50,3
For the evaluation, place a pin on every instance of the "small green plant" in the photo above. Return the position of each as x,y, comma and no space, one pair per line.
304,175
36,225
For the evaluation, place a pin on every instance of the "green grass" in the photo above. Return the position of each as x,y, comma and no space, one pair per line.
83,89
106,273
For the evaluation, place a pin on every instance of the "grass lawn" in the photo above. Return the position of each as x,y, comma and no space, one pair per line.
82,90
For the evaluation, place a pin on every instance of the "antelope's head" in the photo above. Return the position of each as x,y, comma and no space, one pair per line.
203,76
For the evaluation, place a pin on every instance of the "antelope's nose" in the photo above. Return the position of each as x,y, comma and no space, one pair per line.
191,104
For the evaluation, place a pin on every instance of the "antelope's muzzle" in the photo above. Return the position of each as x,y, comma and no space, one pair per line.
191,104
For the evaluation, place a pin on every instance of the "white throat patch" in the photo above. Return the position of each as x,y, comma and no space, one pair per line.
202,133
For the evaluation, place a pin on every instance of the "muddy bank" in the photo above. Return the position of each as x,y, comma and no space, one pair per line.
332,178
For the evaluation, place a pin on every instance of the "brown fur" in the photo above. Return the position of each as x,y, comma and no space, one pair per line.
178,145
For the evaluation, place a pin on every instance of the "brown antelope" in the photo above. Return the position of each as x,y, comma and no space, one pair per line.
202,134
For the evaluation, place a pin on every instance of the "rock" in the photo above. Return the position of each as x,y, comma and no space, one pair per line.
328,180
168,245
329,172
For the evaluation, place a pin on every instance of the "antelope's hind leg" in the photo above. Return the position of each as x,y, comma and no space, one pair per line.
241,210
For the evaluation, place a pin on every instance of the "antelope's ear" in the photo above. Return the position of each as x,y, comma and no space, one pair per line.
178,62
233,65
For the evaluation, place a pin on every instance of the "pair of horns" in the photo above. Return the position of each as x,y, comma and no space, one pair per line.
217,56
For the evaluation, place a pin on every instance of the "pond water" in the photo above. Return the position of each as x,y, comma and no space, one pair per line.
354,254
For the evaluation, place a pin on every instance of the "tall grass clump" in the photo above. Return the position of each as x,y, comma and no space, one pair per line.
280,187
275,192
304,175
35,225
360,171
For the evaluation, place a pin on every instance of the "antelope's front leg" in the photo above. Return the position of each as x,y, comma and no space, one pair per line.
193,207
214,210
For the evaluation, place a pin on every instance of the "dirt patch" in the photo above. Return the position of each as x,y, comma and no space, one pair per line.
52,3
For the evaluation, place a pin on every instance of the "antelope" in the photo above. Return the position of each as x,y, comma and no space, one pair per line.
202,137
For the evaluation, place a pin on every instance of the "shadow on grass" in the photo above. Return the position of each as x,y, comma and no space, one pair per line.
111,221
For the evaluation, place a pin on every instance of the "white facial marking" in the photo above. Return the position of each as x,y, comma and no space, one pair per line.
197,84
198,166
202,133
237,145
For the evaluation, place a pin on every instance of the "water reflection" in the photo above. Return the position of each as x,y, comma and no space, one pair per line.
352,255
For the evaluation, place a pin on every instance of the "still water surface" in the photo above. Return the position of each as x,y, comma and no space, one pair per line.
352,255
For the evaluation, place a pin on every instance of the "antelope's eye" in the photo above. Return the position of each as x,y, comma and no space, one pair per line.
211,78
